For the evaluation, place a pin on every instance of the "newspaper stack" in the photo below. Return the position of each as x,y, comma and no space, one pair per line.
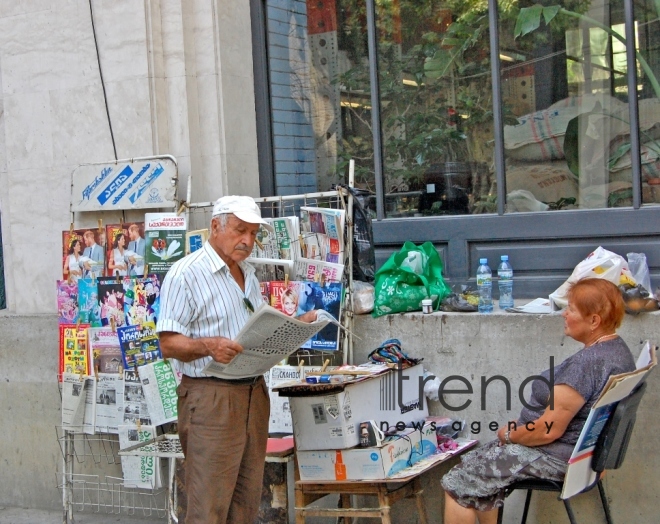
323,234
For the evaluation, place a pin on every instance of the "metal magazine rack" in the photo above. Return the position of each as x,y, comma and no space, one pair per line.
199,217
87,483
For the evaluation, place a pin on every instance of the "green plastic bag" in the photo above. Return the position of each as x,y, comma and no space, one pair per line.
408,277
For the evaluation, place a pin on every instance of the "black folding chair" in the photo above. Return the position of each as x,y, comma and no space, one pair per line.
609,453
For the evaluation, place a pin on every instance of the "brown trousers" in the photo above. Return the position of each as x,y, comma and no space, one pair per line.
224,432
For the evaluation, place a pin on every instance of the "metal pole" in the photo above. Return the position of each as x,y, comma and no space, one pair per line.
631,60
496,82
375,109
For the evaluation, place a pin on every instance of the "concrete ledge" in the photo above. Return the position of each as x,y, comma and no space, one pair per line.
516,346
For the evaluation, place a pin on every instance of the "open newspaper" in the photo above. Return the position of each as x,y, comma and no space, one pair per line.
579,474
267,338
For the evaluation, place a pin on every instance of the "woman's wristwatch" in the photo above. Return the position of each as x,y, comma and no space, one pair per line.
507,437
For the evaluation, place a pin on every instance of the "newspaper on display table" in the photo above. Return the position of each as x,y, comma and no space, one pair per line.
579,474
140,471
267,338
159,383
280,408
78,402
109,402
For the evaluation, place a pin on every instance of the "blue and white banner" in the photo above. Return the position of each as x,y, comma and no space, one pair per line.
143,183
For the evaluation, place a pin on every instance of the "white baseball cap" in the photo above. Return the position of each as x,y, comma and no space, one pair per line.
242,207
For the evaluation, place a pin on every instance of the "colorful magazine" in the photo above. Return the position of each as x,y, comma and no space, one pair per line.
327,297
89,310
105,350
74,350
67,302
141,299
139,344
111,302
76,260
165,234
125,249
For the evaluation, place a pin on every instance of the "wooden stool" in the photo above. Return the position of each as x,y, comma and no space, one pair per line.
387,491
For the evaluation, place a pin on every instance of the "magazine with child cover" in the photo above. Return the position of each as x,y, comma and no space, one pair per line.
110,291
139,344
268,337
165,235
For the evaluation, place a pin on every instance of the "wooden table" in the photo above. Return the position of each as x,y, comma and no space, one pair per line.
406,484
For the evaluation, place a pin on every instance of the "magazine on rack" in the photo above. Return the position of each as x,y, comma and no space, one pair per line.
267,338
139,344
89,311
195,240
140,471
106,353
74,350
67,302
165,234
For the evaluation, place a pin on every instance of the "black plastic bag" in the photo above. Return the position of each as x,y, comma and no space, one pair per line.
364,256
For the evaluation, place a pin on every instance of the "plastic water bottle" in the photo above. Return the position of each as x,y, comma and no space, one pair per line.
505,274
485,286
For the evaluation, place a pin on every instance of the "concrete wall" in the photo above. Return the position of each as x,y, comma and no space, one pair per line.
179,81
517,346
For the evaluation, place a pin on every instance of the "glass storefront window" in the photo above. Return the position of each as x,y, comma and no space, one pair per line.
436,107
564,82
319,80
569,146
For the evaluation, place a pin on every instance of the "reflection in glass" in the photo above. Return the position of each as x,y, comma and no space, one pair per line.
566,86
319,122
436,107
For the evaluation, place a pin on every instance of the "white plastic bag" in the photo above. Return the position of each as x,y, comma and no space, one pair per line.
640,270
363,297
601,263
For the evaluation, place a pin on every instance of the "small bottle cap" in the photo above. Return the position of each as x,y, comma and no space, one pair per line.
504,257
483,261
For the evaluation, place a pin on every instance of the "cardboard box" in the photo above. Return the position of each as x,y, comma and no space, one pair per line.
332,421
379,462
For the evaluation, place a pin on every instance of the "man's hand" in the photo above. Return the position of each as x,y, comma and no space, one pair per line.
221,349
308,317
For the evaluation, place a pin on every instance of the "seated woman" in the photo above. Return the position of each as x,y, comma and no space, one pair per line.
475,488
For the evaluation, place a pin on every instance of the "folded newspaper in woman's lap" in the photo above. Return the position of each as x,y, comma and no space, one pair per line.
267,338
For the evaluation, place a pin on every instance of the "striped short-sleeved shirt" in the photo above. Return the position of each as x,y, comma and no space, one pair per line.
200,298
